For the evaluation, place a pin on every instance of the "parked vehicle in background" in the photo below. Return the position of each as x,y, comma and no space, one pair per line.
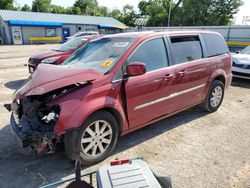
82,33
57,55
241,64
116,84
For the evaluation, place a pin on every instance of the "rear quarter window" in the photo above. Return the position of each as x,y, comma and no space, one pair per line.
215,44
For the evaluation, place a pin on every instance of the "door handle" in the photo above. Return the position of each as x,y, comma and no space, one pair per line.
168,76
181,73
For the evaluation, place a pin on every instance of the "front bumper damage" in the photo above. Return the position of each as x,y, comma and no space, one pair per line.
32,124
35,110
35,143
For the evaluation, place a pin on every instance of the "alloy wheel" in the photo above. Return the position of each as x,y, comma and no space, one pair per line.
216,96
96,138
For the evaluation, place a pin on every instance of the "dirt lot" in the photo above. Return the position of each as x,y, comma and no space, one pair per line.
195,148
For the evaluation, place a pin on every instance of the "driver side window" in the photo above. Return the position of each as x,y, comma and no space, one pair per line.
152,53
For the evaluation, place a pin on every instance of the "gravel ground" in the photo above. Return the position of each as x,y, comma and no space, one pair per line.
194,148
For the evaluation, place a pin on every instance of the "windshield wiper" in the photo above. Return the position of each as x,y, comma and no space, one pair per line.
107,72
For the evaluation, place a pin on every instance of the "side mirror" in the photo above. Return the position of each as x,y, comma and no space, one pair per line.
135,69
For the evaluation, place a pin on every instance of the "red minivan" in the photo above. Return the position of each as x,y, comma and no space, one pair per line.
58,55
116,84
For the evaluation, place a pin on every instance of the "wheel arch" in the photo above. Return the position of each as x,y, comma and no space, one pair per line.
221,78
216,75
72,138
74,118
116,114
220,75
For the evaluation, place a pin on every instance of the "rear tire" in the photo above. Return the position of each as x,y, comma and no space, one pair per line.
94,140
215,96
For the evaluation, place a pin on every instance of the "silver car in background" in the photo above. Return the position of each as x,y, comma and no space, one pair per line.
82,33
241,64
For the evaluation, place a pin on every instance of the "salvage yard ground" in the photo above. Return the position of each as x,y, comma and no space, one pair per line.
195,148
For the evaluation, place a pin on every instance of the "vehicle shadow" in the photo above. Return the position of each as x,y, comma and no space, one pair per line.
36,171
159,128
239,82
14,84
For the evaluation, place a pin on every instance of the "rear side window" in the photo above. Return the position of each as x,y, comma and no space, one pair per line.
152,53
185,48
215,44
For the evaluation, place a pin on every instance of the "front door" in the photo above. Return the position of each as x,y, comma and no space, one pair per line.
66,33
145,94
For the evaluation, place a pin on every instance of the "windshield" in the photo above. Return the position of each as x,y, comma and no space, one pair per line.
70,45
100,54
246,50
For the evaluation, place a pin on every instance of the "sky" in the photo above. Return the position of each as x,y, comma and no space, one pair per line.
244,10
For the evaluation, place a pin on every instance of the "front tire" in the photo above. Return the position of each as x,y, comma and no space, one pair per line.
215,96
94,141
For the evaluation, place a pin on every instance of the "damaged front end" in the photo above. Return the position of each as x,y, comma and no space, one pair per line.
33,120
32,123
35,110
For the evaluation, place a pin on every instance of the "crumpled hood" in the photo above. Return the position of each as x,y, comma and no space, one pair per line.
241,58
47,54
50,77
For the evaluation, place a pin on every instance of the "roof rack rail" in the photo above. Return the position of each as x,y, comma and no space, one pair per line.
162,30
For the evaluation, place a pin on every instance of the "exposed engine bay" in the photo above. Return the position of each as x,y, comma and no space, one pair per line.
33,120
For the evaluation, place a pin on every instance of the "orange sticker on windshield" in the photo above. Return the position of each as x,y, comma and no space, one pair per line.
106,64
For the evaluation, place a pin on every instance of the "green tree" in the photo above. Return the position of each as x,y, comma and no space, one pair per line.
128,15
102,11
116,14
57,9
86,7
143,6
176,10
189,12
76,10
224,11
69,10
209,12
41,5
156,10
6,5
26,8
